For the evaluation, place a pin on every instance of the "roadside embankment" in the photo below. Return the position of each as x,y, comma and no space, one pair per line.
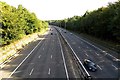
9,51
115,46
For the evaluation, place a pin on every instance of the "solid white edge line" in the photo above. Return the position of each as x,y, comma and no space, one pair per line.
93,46
63,59
76,56
31,71
25,59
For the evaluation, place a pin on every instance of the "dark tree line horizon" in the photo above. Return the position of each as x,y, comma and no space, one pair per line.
103,23
17,22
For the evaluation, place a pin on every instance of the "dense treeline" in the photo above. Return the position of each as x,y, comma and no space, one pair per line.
103,22
17,22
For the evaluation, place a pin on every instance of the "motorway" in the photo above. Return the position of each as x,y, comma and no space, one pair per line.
108,65
45,58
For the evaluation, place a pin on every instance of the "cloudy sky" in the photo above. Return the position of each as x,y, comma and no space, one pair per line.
59,9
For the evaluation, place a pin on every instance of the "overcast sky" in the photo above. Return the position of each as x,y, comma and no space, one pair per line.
59,9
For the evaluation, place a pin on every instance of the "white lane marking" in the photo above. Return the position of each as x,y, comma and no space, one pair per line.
105,54
63,59
31,63
86,54
116,59
104,51
101,61
24,59
94,46
76,56
51,56
73,43
99,67
17,72
96,53
95,77
113,57
90,50
49,71
31,71
39,56
115,67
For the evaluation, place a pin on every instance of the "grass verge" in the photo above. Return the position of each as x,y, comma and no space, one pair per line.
108,44
10,50
105,43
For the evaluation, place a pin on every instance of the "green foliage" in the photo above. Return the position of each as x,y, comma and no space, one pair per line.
17,22
103,23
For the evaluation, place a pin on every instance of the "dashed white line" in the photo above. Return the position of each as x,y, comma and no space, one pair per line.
94,46
101,61
17,72
49,71
103,51
116,59
51,56
99,67
31,63
96,53
86,54
39,56
90,50
24,59
115,67
31,71
105,54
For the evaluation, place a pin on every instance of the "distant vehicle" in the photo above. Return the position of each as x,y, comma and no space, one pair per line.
51,33
90,65
65,32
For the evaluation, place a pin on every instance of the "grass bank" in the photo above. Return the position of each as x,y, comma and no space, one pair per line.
10,50
108,44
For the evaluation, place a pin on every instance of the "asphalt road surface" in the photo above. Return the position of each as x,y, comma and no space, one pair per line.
45,58
108,65
42,59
